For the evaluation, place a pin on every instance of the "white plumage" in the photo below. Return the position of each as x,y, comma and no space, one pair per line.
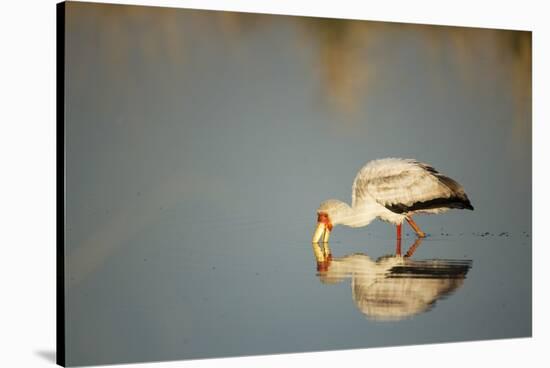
392,189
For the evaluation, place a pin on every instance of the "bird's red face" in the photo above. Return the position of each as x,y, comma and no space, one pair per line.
323,229
323,218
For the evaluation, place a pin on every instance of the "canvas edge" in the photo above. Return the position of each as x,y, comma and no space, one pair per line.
60,184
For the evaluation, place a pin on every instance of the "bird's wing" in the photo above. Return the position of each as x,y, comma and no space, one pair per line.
407,185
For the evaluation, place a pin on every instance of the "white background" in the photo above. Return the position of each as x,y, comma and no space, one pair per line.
27,180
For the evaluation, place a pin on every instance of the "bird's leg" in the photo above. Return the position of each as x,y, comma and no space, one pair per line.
398,228
398,247
413,248
415,227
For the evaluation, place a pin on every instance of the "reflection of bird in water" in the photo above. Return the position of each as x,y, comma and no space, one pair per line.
392,189
393,287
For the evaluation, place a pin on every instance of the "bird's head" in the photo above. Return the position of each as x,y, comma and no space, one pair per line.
323,229
329,213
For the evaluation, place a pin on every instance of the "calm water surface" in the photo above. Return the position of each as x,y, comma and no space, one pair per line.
199,145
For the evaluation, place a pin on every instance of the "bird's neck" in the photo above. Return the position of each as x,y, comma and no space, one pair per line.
356,216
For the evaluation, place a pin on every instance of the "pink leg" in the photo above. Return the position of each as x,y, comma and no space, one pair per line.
398,247
415,227
398,228
413,247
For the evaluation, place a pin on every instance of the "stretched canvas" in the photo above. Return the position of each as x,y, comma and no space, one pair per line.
238,184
